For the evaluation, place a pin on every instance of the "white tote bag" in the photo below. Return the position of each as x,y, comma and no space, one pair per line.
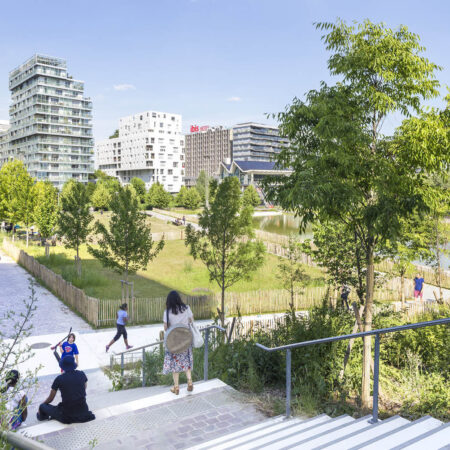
197,340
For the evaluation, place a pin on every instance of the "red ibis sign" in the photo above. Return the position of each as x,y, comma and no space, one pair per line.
196,128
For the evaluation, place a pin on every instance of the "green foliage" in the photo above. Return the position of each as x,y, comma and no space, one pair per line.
224,241
101,197
202,185
180,198
291,268
139,187
46,210
157,197
213,186
192,199
250,197
127,245
74,216
114,135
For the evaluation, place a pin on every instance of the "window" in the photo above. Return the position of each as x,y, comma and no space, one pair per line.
169,172
161,124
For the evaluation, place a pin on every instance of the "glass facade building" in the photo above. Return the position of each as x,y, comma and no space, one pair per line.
256,142
51,122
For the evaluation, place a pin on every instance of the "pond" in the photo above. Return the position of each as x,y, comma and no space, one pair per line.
284,224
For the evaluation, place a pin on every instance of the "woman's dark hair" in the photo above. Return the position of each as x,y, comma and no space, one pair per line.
124,306
71,334
174,303
12,377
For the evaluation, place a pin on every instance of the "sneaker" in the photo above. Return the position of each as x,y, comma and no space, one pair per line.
38,417
107,348
129,346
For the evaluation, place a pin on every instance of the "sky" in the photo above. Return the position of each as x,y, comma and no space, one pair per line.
215,62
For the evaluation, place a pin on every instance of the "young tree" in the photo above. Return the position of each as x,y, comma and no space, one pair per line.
18,199
158,197
290,268
202,185
192,198
344,168
46,210
126,245
139,186
250,196
101,197
224,243
213,186
74,217
180,199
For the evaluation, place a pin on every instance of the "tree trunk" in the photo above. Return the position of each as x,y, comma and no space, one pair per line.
27,237
222,306
368,312
402,287
438,262
78,263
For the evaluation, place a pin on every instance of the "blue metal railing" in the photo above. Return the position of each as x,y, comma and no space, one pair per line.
288,348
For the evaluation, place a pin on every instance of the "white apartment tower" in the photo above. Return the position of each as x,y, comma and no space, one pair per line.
51,129
150,146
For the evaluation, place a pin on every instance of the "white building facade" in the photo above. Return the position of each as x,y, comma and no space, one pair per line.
150,146
51,122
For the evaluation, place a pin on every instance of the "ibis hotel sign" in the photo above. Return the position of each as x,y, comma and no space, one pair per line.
196,128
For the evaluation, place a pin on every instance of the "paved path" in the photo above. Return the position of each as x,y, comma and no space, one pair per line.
51,315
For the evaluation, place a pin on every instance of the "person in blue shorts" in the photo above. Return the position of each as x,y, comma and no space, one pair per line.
69,348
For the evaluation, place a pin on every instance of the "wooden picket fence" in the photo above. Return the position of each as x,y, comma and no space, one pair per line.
71,295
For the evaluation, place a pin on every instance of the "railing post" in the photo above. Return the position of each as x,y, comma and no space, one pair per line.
376,371
121,364
205,359
288,383
143,367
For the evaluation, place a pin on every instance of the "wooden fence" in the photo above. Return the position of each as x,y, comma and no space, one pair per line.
71,295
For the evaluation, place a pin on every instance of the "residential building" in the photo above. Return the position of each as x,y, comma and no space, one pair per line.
150,146
256,142
51,129
4,141
206,148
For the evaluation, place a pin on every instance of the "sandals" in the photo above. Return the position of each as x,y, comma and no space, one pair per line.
190,386
175,390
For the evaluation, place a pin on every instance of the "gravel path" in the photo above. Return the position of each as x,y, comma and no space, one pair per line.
51,315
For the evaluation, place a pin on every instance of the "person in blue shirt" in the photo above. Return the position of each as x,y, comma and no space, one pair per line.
418,287
69,348
122,319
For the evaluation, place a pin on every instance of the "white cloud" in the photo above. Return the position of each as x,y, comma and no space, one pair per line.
234,99
124,87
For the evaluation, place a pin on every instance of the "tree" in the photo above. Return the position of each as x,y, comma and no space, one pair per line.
114,135
344,168
18,195
202,185
139,186
126,245
158,197
292,274
101,197
74,217
213,186
46,210
192,198
224,242
180,199
250,196
337,248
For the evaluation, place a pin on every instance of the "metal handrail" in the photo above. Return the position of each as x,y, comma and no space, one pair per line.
289,347
23,442
143,347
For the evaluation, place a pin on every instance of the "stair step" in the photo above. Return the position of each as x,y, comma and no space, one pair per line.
431,440
284,427
244,432
298,435
399,436
365,435
331,435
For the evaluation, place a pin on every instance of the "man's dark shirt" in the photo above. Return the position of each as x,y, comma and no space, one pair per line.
73,393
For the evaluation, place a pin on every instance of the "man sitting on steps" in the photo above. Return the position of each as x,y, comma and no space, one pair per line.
72,384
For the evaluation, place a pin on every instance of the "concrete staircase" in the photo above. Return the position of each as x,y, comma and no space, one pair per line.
215,416
342,432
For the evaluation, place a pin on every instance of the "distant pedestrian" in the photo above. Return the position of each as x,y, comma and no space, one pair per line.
345,292
418,286
72,385
69,348
178,314
16,401
184,220
122,319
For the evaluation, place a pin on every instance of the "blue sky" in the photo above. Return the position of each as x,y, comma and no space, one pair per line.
213,61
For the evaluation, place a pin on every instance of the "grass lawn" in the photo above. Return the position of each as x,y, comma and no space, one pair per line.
173,268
